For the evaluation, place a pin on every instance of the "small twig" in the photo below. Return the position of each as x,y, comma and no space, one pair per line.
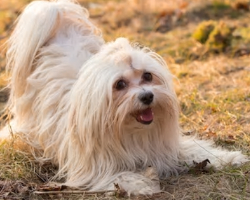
71,192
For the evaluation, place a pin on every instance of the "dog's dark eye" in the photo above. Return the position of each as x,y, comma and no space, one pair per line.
121,84
147,76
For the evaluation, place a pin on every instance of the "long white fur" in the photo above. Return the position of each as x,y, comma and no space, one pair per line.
64,105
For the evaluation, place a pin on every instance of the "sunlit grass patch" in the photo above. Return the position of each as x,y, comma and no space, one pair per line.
15,163
214,100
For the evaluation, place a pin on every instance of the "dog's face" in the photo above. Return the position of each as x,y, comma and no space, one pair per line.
126,88
135,86
142,92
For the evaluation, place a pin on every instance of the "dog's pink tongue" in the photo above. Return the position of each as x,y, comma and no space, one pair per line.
146,116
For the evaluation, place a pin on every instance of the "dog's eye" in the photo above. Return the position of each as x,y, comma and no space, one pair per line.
121,84
147,76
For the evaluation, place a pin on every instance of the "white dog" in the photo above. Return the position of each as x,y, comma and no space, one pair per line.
102,112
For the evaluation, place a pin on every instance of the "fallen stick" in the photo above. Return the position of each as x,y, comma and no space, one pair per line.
72,192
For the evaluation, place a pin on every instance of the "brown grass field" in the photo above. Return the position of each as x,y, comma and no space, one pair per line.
212,83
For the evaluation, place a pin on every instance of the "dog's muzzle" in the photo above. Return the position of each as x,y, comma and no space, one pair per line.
145,116
146,98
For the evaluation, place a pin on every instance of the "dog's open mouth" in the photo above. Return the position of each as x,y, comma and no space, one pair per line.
145,116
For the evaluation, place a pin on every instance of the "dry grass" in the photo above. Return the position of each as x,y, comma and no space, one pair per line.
213,90
214,96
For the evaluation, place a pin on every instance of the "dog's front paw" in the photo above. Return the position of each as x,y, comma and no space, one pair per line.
136,187
135,184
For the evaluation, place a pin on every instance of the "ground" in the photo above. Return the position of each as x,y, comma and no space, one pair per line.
206,46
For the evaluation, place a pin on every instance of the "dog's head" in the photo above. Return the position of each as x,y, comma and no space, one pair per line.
124,87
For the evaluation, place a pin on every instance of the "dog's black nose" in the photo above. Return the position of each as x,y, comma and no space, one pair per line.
146,97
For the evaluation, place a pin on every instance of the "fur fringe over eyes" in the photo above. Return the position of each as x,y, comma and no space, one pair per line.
68,107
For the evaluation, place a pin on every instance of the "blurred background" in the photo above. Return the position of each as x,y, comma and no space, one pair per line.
180,29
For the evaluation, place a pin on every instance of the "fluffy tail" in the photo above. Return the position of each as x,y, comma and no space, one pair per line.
36,26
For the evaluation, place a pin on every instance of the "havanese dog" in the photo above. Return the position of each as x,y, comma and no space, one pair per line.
104,113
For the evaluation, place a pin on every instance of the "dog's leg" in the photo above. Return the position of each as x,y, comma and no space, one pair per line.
193,150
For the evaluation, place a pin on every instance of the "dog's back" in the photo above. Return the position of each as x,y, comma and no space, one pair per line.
50,43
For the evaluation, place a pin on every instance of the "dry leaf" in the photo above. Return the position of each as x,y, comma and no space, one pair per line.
199,167
119,191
